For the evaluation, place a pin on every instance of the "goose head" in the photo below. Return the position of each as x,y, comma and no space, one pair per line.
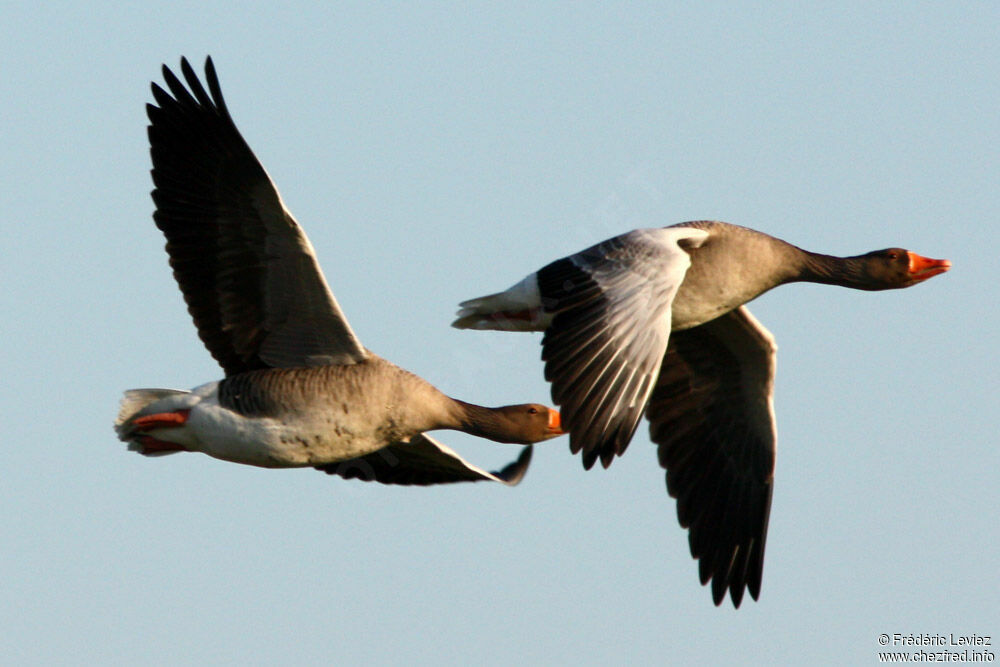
528,423
894,268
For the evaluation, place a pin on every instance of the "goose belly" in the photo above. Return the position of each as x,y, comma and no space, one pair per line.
291,440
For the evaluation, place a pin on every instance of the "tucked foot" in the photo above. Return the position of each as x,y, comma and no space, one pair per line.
159,420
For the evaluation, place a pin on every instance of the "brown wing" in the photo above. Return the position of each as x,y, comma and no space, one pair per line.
247,271
422,462
712,416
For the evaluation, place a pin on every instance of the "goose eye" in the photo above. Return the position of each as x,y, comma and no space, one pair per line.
893,255
533,411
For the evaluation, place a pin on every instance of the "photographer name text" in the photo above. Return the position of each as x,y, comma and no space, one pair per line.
900,639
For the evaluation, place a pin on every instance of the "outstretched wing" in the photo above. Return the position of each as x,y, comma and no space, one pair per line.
422,462
712,415
602,351
248,273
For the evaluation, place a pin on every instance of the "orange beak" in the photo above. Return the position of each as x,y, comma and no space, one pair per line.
922,268
555,423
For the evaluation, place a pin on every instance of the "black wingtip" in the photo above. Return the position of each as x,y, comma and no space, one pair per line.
514,472
171,79
187,70
214,88
194,91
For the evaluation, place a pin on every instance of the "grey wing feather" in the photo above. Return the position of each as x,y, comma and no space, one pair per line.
611,308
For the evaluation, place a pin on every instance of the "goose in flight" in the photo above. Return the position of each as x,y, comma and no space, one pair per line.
653,322
299,388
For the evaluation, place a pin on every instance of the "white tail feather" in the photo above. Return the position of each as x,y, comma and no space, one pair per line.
516,309
138,402
135,401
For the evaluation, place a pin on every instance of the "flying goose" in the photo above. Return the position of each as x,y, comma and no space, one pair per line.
652,322
299,388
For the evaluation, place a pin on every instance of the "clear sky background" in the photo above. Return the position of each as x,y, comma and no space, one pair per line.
435,153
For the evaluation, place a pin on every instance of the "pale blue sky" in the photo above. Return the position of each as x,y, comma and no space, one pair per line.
436,152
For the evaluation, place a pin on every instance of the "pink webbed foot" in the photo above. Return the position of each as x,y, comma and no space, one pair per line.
148,446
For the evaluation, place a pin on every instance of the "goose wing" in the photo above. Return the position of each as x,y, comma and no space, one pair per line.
247,270
712,416
602,351
422,462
